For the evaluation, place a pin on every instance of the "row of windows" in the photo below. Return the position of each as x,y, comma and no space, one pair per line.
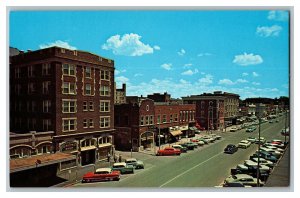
92,142
173,118
70,124
31,124
68,106
147,120
187,116
67,70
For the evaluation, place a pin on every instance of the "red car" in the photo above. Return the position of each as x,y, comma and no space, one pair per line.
168,151
101,174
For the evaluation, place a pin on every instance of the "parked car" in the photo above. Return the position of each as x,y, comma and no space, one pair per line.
264,155
263,161
251,129
203,140
230,148
168,151
123,167
244,144
217,137
277,154
285,132
235,184
254,164
244,179
233,129
188,146
180,147
101,174
251,139
137,164
262,140
274,148
251,170
199,142
208,138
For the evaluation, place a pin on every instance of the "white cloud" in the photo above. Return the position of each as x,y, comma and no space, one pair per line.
190,72
183,81
58,43
247,59
279,15
167,66
202,73
226,82
138,74
255,83
241,81
128,45
181,52
245,74
274,90
208,79
204,54
156,47
187,65
266,31
255,74
117,72
121,79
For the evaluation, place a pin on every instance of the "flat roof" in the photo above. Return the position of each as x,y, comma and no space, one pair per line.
21,164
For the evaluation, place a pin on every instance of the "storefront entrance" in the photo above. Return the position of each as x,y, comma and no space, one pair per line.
88,157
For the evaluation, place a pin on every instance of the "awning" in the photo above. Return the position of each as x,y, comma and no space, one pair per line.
176,133
87,148
104,145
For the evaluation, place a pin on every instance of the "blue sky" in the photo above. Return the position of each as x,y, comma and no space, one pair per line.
181,52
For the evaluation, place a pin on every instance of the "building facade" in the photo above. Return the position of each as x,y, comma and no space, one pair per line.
68,92
120,94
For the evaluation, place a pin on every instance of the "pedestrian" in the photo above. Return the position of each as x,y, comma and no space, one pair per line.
115,158
120,158
108,157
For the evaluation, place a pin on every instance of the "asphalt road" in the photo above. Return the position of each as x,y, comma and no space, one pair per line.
206,166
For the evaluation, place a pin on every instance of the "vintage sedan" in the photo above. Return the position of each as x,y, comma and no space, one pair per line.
230,148
180,147
188,146
251,129
123,167
137,164
244,144
251,139
168,151
101,174
244,179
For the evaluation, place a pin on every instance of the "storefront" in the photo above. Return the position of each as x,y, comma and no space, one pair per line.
175,134
147,140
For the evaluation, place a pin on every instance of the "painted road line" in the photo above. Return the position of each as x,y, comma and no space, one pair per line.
189,170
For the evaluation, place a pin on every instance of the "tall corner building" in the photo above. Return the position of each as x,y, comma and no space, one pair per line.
69,92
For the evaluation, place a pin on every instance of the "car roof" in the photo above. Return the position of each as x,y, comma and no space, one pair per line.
103,169
131,159
119,163
239,176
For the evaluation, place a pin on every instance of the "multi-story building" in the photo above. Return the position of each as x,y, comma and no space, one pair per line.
120,94
209,110
142,123
69,92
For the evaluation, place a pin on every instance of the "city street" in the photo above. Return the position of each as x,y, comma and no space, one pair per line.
206,166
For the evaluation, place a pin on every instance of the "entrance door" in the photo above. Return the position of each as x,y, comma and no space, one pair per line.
88,157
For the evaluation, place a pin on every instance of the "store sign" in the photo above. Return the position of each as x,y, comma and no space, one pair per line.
68,146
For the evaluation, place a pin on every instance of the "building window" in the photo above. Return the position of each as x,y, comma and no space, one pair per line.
164,119
104,106
88,72
147,120
69,106
69,88
46,87
104,121
18,89
158,119
69,124
171,118
147,107
176,117
69,70
104,75
187,116
202,114
202,104
31,123
46,106
104,90
31,88
142,121
85,123
91,123
88,89
30,71
46,124
91,106
151,120
46,69
85,107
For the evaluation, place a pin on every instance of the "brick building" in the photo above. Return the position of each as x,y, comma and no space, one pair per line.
142,123
69,92
120,94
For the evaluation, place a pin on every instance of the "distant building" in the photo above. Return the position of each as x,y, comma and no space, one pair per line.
157,97
120,94
69,92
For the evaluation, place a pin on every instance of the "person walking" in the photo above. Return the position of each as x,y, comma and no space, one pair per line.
115,158
120,158
108,157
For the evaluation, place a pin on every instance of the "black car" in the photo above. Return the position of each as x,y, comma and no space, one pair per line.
230,148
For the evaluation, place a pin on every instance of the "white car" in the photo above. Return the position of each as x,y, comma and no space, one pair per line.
244,179
244,144
277,154
262,167
274,148
263,161
215,136
233,129
251,139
